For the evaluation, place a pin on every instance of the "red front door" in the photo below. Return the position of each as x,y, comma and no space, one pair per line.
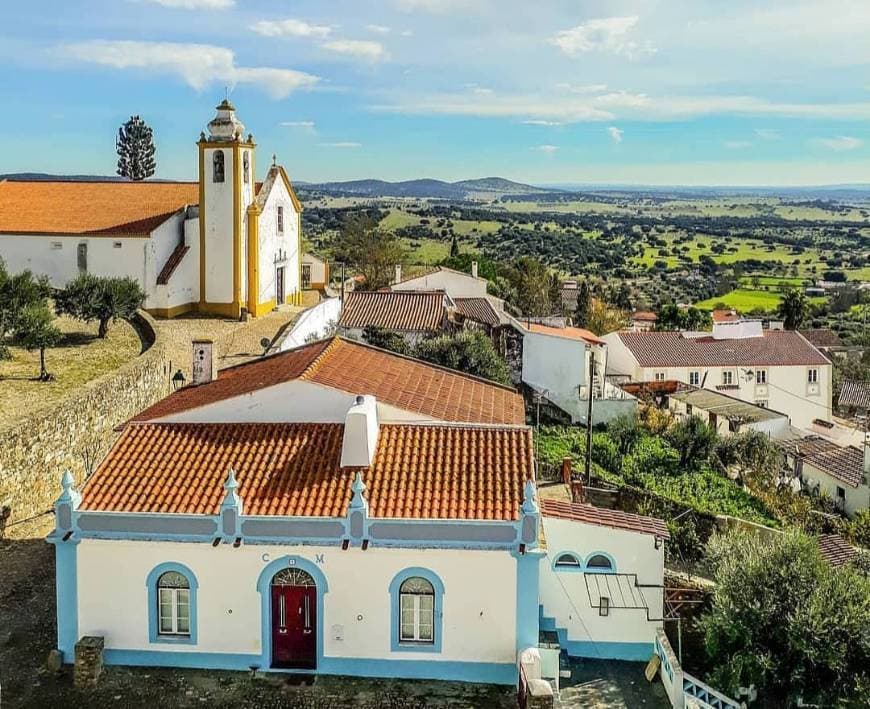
294,627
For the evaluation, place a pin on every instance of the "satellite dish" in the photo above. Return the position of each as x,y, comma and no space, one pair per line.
265,343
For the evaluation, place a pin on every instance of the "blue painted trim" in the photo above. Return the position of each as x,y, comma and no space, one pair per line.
264,584
479,672
602,650
66,587
397,645
154,635
528,590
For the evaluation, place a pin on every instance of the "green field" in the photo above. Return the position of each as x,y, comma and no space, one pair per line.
745,300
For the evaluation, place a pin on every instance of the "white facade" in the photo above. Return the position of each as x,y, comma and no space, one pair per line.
356,607
803,392
455,283
849,499
570,597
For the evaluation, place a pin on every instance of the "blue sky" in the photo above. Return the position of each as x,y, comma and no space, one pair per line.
697,92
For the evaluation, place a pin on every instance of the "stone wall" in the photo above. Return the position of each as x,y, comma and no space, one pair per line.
77,433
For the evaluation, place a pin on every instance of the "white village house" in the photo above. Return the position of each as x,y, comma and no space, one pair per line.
219,245
777,369
344,510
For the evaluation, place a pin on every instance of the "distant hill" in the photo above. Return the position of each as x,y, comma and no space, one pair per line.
486,187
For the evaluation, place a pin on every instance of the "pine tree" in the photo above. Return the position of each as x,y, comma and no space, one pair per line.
136,150
454,247
584,303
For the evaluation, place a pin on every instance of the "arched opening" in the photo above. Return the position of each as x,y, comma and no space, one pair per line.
567,561
294,619
600,563
218,171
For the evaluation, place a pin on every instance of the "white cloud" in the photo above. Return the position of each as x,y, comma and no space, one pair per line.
379,29
541,122
549,149
768,133
341,144
583,88
198,65
610,35
362,49
298,124
290,28
195,4
840,143
436,6
482,91
615,134
737,144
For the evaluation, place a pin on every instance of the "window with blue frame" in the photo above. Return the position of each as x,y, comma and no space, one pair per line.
599,563
416,611
172,604
567,561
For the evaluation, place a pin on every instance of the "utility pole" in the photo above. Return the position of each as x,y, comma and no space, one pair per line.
589,419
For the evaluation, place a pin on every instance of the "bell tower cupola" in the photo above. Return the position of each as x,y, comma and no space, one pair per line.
226,188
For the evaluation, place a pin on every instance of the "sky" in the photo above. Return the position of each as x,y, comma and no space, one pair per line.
678,92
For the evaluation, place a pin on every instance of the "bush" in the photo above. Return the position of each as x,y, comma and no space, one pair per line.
469,351
386,339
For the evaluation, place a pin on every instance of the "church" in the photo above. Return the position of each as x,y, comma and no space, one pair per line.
225,245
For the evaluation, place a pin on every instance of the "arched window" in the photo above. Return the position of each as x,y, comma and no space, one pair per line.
246,166
417,611
171,604
567,561
415,626
218,165
600,563
293,577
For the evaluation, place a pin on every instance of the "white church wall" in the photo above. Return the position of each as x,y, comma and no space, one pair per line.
218,215
479,601
301,401
566,599
272,243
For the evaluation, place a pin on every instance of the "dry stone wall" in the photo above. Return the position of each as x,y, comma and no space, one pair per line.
77,433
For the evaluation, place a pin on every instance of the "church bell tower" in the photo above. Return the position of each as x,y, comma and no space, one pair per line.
226,188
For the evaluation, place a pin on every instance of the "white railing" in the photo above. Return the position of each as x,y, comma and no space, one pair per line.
683,689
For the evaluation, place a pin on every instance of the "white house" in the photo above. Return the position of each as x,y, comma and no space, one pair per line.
456,283
219,245
778,369
726,414
841,473
556,363
331,509
315,272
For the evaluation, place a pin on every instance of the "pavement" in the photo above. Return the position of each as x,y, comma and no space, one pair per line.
608,684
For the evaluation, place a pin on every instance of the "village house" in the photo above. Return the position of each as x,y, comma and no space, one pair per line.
643,320
776,369
340,509
222,245
315,272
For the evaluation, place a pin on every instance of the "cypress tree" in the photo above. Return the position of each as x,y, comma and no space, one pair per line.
136,150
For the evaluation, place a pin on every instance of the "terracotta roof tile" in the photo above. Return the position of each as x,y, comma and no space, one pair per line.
844,463
601,517
720,315
292,469
395,310
835,550
823,337
92,208
357,368
670,349
644,316
478,309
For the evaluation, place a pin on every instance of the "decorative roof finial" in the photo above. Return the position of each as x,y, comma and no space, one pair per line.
231,499
274,160
69,494
530,493
358,500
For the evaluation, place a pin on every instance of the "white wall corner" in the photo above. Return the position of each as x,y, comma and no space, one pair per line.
360,433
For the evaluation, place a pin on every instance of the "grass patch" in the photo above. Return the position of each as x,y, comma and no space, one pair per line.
80,358
745,300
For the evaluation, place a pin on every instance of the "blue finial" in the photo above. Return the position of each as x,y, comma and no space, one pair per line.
530,506
358,501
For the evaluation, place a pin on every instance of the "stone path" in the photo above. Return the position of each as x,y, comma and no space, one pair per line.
609,684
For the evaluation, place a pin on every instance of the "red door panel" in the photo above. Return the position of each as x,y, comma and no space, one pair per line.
294,627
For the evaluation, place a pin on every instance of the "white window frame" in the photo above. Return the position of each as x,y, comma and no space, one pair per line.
660,376
175,601
727,378
419,615
695,378
761,376
813,375
280,218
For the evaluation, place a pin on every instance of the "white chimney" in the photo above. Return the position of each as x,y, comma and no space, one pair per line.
204,365
398,273
739,330
360,433
474,269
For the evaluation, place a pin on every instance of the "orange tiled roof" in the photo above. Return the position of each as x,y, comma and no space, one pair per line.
92,208
292,469
616,519
835,550
725,316
569,333
358,368
395,310
478,309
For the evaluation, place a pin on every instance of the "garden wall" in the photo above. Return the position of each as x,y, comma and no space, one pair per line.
77,433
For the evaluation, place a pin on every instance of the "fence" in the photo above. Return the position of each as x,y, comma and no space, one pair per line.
683,689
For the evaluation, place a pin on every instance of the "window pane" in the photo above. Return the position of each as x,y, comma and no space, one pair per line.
425,632
426,603
415,584
407,631
184,625
173,579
